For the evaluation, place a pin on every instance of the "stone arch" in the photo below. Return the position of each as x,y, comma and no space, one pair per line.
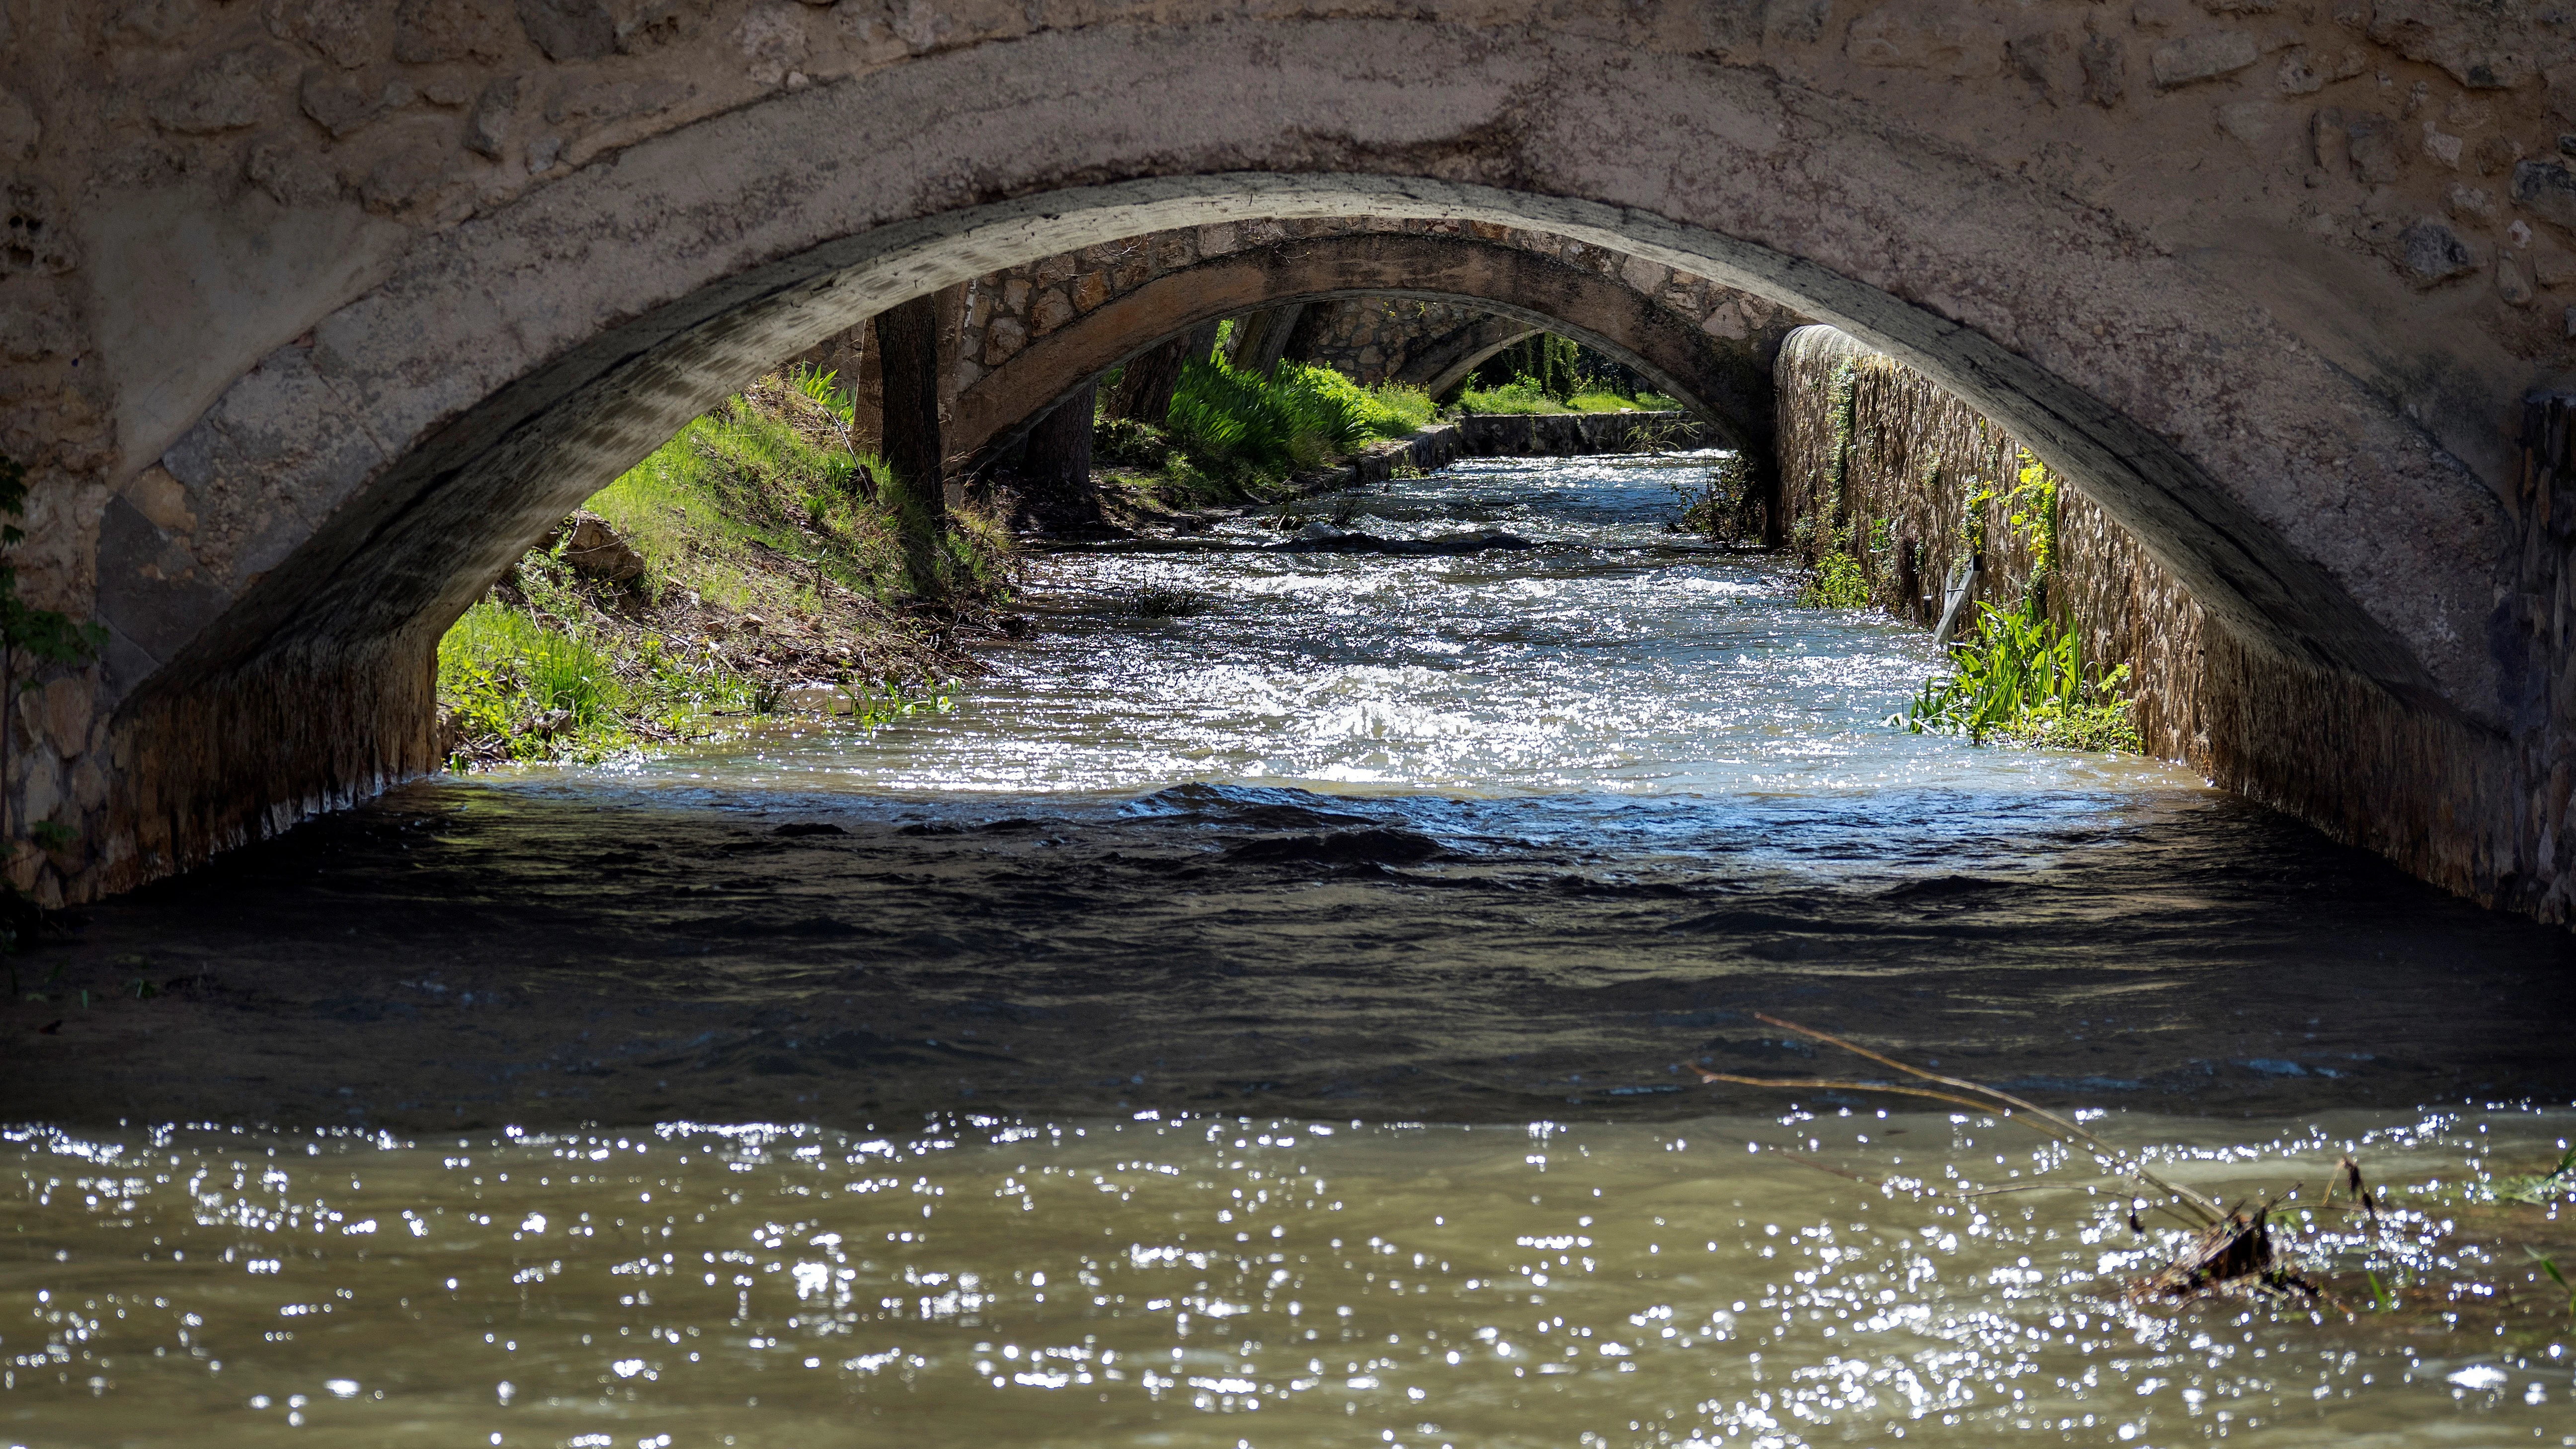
1447,360
1730,385
275,587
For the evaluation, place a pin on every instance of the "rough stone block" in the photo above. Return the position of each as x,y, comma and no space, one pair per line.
228,93
2432,252
2548,189
431,32
1003,340
2206,56
19,128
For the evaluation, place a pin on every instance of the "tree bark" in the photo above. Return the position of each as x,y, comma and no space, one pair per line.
1262,337
1055,469
1144,391
908,353
908,358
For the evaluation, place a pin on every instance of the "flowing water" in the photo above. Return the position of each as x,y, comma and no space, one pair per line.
1258,1016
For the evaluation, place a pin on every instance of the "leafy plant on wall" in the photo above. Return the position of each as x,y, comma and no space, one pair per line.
46,636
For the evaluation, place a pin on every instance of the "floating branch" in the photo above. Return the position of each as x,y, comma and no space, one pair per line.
2232,1249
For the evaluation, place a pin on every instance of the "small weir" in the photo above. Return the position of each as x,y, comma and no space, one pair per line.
1259,1015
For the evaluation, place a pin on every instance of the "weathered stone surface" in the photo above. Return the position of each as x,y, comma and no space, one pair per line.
572,30
350,33
2435,253
19,128
431,32
341,103
591,103
2105,61
154,22
2201,57
1050,311
34,236
2513,284
2304,71
487,130
2367,145
227,93
2548,189
2491,45
289,174
29,333
1951,44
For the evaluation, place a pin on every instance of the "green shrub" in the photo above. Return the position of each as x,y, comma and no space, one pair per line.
1130,443
1520,395
1839,582
2023,678
1245,433
1724,507
1527,395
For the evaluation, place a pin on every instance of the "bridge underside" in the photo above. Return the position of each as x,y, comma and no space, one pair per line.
395,383
1727,383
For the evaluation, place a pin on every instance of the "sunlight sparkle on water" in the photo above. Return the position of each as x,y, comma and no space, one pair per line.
1283,1282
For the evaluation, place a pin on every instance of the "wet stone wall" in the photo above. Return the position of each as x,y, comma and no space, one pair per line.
1879,461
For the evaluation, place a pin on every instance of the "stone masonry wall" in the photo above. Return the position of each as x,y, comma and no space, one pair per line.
1373,338
265,264
1864,440
1902,478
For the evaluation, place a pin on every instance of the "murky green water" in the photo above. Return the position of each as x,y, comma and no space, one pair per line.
1229,1280
1264,1025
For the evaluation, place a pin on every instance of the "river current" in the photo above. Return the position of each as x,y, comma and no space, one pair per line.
1260,1015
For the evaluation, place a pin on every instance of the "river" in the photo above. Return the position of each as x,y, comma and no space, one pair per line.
1259,1015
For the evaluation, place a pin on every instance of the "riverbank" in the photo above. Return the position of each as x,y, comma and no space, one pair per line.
749,567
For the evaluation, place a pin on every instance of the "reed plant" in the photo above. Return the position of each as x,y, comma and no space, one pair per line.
2022,677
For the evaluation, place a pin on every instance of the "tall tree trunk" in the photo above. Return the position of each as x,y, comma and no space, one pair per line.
1144,391
1055,471
1260,338
908,354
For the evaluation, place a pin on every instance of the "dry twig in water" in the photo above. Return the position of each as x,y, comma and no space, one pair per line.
2232,1250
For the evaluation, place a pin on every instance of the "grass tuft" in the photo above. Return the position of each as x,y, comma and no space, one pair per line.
772,558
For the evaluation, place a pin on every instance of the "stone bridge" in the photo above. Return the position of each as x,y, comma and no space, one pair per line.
1031,348
317,312
1433,345
1021,340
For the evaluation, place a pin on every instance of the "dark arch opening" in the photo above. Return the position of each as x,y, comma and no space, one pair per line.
472,457
1730,388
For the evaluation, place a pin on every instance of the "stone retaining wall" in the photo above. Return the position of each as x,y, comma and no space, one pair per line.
1902,475
1866,442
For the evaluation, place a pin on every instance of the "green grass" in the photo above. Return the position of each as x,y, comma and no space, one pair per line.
516,688
1525,395
1839,582
2547,1187
757,509
1232,435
